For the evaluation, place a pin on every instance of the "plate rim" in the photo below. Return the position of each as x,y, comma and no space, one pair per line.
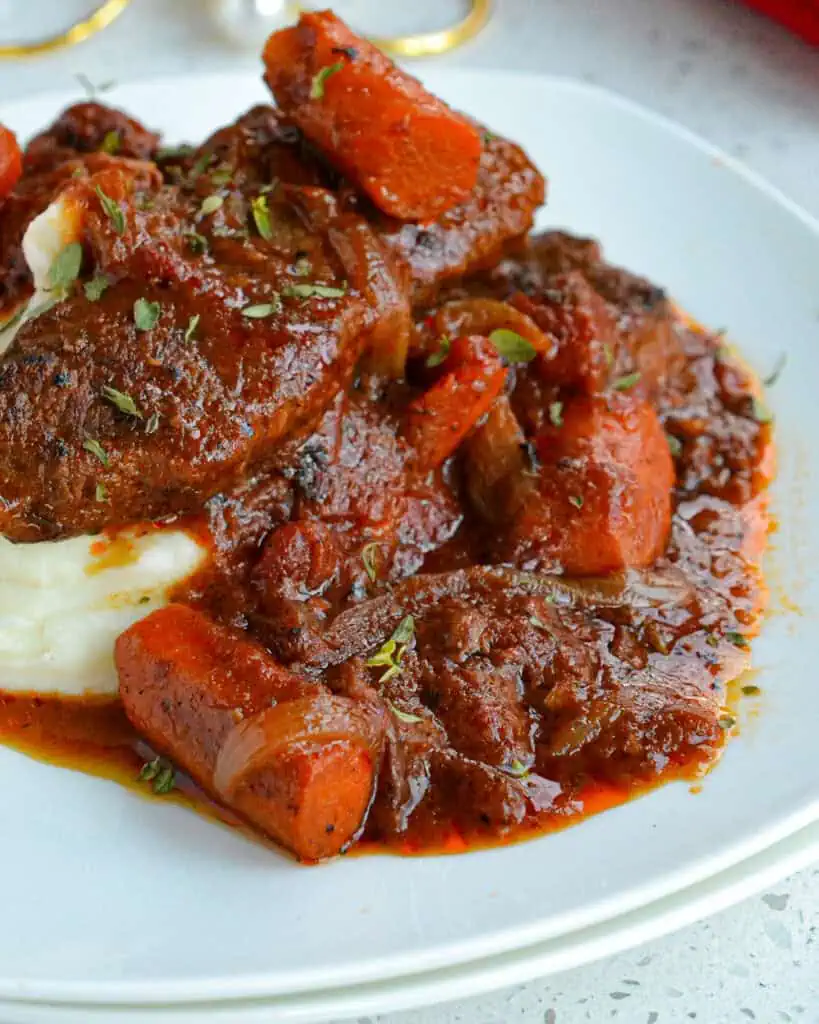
510,938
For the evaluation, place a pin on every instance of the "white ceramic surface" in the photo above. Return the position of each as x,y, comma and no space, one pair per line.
473,979
125,900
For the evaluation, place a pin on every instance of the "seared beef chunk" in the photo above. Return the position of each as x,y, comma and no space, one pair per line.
222,352
89,128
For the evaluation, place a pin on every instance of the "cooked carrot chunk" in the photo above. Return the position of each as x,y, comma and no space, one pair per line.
602,500
11,161
442,417
297,761
411,154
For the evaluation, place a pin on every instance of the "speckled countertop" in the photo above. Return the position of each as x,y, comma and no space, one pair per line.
752,89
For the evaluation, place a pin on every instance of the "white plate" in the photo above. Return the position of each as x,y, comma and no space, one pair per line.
123,900
753,875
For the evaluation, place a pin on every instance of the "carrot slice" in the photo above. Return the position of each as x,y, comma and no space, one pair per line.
411,154
11,161
296,761
442,417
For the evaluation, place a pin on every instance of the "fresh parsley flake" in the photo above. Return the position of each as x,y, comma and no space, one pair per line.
94,448
302,267
123,402
576,500
221,176
556,414
65,268
112,210
95,288
307,291
190,330
404,716
369,555
111,143
737,639
146,314
101,493
726,722
776,372
512,347
537,623
627,382
440,354
674,445
262,310
210,204
261,217
320,79
196,242
159,772
152,425
751,691
517,769
391,652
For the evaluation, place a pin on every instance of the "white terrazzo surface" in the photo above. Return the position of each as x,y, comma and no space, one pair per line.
752,89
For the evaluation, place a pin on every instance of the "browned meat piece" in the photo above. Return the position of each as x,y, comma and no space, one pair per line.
475,233
222,353
646,336
295,760
89,128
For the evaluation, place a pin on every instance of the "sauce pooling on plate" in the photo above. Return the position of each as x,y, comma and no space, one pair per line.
375,519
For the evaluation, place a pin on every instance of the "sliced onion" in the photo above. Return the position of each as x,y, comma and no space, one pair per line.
482,316
306,722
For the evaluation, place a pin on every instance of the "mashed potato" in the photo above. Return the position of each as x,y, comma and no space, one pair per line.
63,603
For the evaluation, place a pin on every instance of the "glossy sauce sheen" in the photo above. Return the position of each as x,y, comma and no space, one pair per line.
505,587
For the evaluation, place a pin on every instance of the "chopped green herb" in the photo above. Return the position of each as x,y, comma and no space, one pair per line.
751,691
152,425
165,780
112,210
202,164
65,268
576,500
261,217
95,288
262,310
726,722
511,346
190,330
101,492
369,555
180,152
146,314
737,639
221,176
307,291
760,412
197,243
95,448
210,204
320,78
392,651
161,773
111,143
556,414
712,640
91,90
674,445
404,716
440,354
517,769
776,372
608,355
122,401
627,382
302,267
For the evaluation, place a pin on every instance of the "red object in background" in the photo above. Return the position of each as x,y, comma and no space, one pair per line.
800,16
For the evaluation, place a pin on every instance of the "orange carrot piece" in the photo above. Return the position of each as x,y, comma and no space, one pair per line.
296,761
11,161
411,154
442,417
